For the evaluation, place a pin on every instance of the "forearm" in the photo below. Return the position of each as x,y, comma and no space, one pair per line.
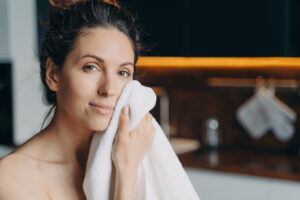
126,180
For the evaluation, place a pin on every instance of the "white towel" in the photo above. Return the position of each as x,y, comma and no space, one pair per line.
161,176
263,112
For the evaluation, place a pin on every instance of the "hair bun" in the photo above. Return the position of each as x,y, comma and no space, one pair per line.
63,4
112,2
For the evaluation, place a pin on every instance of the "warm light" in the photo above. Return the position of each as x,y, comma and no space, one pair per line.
220,62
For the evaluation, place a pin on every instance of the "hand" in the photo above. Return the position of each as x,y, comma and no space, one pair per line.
131,147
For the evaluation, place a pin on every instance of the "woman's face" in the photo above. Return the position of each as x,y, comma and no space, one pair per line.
94,75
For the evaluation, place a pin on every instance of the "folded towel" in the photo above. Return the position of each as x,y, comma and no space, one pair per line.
161,176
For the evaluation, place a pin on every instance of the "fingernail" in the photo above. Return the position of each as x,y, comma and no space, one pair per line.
125,110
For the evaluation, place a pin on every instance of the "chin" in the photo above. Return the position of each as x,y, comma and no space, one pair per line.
99,125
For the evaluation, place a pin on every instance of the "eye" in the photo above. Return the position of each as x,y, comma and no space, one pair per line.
128,74
90,68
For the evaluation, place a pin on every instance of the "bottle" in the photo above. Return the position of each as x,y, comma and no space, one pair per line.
211,135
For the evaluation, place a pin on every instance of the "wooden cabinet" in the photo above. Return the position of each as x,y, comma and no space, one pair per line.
220,28
214,28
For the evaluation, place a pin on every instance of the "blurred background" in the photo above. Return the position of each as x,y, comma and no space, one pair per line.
227,78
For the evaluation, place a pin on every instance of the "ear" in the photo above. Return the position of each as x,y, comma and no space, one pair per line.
52,75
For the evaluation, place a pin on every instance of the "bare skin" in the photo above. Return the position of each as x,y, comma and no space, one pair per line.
51,165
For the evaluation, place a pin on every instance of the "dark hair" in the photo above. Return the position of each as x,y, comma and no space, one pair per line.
67,23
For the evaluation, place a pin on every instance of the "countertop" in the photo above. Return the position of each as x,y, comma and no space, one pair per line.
244,162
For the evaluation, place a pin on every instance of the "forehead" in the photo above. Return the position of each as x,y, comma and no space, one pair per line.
108,43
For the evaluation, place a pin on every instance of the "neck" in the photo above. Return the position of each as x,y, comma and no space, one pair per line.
71,141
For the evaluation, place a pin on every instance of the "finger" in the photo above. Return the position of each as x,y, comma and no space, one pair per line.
142,124
124,122
150,117
149,120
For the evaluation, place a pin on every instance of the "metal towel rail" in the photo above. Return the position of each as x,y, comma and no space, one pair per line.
253,82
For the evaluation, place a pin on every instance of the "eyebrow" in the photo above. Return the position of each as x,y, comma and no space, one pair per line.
102,60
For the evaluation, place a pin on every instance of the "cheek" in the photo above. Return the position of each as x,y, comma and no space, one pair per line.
76,91
120,87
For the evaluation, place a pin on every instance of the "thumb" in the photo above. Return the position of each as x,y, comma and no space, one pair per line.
124,123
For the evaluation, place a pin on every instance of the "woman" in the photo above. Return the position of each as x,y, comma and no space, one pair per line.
87,56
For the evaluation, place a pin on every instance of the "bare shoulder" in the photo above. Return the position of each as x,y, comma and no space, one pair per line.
17,179
7,185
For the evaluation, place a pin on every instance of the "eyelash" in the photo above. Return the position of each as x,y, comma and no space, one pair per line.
88,68
128,74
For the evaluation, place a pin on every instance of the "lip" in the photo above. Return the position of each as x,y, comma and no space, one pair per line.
102,109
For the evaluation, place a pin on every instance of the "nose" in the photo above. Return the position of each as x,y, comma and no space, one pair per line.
107,88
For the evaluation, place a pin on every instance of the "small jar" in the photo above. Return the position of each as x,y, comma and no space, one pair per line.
211,136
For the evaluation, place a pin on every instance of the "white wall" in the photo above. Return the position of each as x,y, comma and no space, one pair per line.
4,46
27,93
212,185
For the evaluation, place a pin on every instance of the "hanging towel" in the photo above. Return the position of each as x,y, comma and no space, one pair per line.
161,176
264,112
253,115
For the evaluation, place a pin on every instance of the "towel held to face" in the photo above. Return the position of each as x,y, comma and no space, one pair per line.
160,174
